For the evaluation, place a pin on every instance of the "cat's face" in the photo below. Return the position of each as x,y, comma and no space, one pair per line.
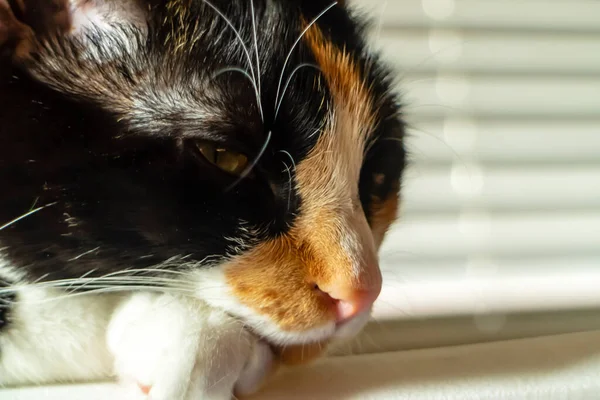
256,176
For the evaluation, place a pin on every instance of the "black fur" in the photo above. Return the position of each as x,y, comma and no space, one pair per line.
130,193
6,301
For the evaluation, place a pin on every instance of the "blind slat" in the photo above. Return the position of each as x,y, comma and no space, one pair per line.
569,16
496,234
505,142
519,96
501,188
427,50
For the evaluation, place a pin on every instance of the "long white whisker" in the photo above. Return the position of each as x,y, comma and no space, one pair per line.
116,276
112,289
70,283
258,77
289,184
236,69
319,129
27,214
254,162
287,59
83,280
245,48
149,270
84,254
84,276
290,157
287,84
40,279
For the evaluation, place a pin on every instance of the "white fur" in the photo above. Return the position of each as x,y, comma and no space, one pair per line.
104,15
51,338
182,348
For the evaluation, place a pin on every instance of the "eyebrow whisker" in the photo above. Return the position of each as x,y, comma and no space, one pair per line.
287,84
245,48
287,59
258,77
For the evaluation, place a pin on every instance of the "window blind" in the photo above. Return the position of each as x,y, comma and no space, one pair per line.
501,208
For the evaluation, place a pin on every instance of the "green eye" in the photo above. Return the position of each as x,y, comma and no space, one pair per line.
229,161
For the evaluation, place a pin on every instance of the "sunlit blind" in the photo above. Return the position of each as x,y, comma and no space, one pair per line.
503,98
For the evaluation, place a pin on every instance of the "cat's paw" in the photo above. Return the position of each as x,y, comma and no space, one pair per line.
172,348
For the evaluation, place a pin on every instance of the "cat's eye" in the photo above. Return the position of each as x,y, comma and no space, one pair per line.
227,160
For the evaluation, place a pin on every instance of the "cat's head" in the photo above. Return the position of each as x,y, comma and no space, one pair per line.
246,152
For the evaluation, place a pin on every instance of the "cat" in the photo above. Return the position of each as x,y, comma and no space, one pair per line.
191,189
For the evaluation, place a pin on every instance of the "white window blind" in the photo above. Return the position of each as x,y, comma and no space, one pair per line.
501,204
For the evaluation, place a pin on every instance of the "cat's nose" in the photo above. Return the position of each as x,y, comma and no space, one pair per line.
349,302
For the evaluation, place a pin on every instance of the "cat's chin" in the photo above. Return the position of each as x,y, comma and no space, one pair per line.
330,332
306,352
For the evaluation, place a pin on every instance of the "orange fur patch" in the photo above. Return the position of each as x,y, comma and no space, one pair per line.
330,243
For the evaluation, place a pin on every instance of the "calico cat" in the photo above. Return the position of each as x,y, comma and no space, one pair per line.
188,187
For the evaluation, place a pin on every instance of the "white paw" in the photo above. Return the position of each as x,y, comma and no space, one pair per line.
173,348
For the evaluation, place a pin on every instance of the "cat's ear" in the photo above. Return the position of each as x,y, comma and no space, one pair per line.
23,21
14,34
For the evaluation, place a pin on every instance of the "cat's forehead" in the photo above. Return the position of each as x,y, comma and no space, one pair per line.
197,65
220,69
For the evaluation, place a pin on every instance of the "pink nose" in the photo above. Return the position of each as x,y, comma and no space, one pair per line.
350,302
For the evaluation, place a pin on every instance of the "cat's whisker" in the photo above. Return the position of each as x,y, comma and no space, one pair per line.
289,184
287,59
84,254
381,21
84,276
429,58
253,164
40,279
27,214
125,286
235,69
318,130
119,285
80,284
287,84
115,277
245,48
258,77
104,290
437,138
290,157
